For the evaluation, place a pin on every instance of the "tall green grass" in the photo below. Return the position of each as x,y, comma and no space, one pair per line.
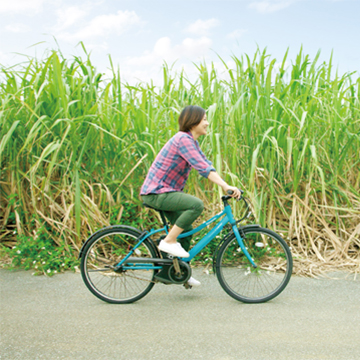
75,148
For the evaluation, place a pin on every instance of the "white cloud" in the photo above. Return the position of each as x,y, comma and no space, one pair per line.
148,65
20,6
98,47
238,33
194,48
269,6
18,28
202,27
102,25
164,51
69,16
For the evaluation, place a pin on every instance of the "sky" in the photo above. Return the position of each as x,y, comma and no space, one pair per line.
141,34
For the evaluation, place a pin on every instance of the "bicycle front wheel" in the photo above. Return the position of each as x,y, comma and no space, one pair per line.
254,285
98,261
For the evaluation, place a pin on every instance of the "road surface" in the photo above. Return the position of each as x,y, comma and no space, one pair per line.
58,318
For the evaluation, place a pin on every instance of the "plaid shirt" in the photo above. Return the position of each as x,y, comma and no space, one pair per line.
172,166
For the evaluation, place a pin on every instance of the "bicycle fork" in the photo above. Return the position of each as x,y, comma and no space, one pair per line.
242,246
238,236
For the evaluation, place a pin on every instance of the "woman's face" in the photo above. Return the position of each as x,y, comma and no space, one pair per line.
201,127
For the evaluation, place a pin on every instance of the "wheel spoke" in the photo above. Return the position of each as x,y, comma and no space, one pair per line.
274,266
119,286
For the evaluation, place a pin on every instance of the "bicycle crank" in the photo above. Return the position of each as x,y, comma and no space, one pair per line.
178,273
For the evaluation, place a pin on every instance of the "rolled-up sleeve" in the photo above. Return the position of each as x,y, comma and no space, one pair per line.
193,155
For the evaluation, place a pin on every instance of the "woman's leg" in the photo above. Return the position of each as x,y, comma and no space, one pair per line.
172,216
187,208
181,209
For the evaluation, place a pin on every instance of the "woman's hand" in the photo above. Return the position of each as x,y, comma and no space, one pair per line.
215,178
236,193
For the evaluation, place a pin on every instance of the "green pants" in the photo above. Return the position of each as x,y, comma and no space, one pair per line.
179,208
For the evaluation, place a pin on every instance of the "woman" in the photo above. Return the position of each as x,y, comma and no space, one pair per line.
165,181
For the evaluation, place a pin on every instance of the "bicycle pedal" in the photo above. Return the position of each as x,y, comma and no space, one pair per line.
187,286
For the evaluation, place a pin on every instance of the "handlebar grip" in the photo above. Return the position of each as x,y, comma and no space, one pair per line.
230,192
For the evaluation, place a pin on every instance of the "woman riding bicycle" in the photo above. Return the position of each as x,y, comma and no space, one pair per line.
165,181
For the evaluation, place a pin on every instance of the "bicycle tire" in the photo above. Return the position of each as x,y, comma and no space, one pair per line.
106,249
254,285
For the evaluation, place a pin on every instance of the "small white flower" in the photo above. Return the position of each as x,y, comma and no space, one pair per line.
36,267
48,271
18,252
14,232
55,272
14,247
43,248
34,262
43,262
62,264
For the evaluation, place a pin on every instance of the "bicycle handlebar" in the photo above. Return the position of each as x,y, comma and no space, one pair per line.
230,192
247,212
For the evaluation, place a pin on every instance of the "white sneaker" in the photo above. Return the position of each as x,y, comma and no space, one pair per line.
173,249
193,282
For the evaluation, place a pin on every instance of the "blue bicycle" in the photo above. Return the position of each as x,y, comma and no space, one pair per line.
121,264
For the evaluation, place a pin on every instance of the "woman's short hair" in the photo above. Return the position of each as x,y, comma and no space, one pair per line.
190,116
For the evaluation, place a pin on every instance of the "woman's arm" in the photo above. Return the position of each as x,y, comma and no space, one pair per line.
215,178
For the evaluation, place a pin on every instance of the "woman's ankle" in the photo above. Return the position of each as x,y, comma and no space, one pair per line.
170,240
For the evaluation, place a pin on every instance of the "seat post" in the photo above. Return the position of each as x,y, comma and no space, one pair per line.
163,218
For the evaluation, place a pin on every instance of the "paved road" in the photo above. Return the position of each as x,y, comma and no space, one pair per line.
58,318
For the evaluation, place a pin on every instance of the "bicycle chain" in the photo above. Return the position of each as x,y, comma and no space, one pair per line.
135,277
186,285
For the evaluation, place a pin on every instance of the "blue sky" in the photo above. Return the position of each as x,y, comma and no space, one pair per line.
141,34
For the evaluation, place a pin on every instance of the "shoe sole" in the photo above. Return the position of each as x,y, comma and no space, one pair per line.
182,256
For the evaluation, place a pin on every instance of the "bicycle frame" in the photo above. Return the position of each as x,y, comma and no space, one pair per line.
228,217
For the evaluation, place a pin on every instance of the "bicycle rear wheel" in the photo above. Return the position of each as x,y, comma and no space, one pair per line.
103,252
254,285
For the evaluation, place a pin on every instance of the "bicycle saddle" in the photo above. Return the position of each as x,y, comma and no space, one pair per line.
160,211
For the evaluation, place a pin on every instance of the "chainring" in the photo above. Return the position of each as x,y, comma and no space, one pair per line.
183,277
